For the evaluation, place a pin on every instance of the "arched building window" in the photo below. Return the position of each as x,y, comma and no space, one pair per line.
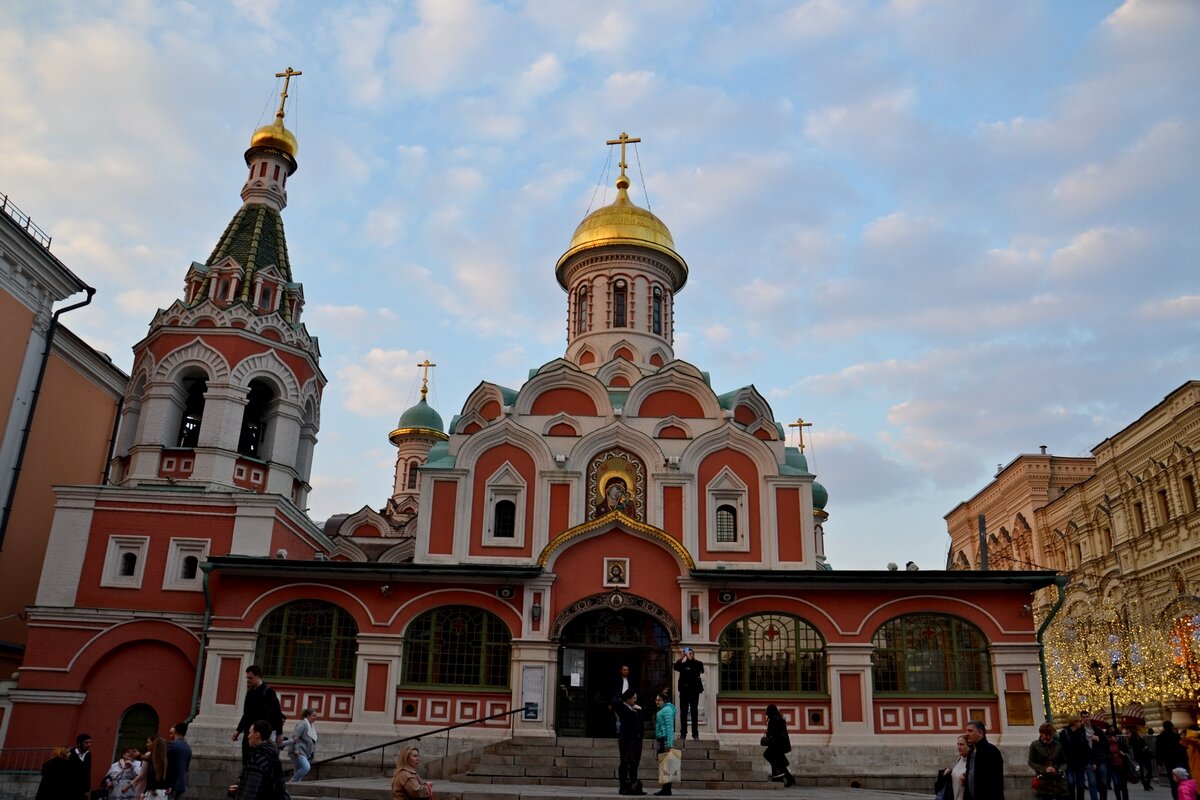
412,474
930,654
581,310
308,640
457,646
505,522
620,298
128,564
726,523
254,419
656,312
138,723
193,411
772,654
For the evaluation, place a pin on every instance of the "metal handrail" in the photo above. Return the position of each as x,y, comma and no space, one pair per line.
23,220
316,765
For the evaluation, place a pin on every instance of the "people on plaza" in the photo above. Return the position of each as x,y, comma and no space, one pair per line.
691,686
153,780
1096,773
985,767
406,783
1078,751
1189,737
80,758
616,691
262,776
952,783
1170,754
1139,747
664,736
261,703
179,759
121,775
1120,763
1048,760
303,744
629,742
58,776
778,745
1184,784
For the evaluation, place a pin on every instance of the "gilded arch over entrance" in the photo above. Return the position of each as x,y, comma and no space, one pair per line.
614,601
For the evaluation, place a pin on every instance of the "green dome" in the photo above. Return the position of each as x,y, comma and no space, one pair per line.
420,419
820,496
794,458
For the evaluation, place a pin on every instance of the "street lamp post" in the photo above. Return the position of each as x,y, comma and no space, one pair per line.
1097,671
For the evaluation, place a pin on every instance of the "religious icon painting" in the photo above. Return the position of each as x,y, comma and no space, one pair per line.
616,572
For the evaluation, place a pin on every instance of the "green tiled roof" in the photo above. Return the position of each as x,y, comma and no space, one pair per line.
421,415
254,238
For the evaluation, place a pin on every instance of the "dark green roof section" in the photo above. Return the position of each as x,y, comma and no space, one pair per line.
618,397
508,395
881,579
365,570
726,400
254,238
439,457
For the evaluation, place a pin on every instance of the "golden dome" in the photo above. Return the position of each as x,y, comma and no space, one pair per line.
275,136
621,223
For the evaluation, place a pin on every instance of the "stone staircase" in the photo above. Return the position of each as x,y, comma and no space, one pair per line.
580,762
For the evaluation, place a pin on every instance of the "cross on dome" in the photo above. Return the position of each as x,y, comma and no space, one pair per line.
800,425
287,75
623,140
425,365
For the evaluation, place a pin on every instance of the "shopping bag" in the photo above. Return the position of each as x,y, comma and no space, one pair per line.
668,766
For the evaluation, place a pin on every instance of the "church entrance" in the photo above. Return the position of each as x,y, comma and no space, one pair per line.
593,648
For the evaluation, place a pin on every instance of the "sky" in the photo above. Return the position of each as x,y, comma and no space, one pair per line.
945,232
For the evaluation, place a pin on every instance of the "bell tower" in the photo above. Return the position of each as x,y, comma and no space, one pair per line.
226,386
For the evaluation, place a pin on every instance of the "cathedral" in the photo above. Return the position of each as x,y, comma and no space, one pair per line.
611,510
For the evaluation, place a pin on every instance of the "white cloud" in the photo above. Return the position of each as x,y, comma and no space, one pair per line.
1097,251
612,32
377,383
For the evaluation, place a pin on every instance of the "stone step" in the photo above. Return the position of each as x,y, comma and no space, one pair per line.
379,789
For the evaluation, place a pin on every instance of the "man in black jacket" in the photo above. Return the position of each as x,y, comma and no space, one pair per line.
691,685
985,767
629,740
261,703
80,760
262,776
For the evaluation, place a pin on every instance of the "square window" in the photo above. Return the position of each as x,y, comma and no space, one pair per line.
256,476
125,562
239,472
184,557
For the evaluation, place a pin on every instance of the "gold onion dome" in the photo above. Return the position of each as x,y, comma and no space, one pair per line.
622,222
276,137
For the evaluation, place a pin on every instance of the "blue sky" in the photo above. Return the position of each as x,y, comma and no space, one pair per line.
944,232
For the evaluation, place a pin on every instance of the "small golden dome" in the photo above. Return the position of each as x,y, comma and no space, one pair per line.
621,223
275,136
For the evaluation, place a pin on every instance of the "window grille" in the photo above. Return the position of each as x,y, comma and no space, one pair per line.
457,646
581,311
930,654
771,654
308,640
504,525
412,475
726,524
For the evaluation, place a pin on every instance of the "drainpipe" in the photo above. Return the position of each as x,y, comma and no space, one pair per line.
1061,582
112,441
205,568
6,514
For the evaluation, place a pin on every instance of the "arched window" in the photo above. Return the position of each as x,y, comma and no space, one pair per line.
137,724
772,654
581,310
412,475
457,646
190,565
656,313
128,565
930,654
254,419
619,298
726,524
504,525
193,411
308,640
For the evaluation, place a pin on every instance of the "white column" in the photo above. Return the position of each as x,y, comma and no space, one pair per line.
376,653
535,679
851,660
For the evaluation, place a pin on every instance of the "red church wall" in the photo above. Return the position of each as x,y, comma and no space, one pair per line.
430,709
560,508
229,675
747,472
375,693
652,570
563,401
672,432
673,511
790,533
802,715
235,349
744,415
490,410
671,402
441,518
850,686
485,466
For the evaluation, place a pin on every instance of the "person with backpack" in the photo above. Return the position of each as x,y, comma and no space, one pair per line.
262,777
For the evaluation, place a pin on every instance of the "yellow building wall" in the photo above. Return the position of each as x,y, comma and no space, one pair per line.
68,445
15,323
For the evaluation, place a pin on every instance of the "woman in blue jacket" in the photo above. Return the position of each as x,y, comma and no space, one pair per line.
664,733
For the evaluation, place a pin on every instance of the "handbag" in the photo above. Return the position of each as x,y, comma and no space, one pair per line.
765,741
1036,783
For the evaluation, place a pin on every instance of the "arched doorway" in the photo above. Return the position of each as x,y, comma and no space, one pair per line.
138,723
596,637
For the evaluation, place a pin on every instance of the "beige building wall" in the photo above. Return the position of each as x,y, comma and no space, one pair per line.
16,320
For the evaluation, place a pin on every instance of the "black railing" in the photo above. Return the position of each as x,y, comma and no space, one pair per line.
22,219
382,747
24,759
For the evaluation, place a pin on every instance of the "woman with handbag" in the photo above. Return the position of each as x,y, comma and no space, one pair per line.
778,746
664,735
1047,759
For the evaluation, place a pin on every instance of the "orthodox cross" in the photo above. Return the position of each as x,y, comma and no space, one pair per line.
425,365
800,425
287,78
623,140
